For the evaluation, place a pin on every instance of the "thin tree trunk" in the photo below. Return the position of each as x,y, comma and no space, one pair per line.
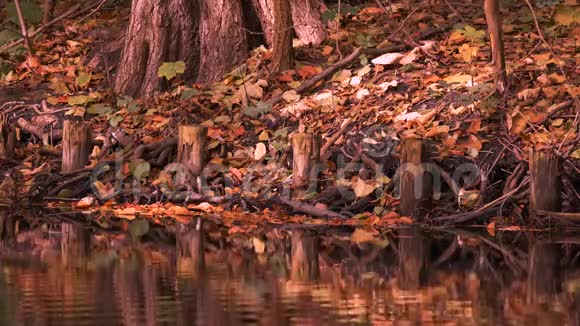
493,17
48,11
283,53
23,29
159,31
223,40
307,20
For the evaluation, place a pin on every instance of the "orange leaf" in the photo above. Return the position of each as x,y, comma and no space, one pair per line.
308,71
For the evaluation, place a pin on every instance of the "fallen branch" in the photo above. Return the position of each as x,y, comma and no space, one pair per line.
568,217
307,208
324,150
328,72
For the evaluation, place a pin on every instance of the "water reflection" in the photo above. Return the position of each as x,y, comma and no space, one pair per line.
64,271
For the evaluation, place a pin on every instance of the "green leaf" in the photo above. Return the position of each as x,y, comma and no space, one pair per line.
472,34
79,100
83,79
171,69
257,109
139,168
124,100
100,109
114,120
189,93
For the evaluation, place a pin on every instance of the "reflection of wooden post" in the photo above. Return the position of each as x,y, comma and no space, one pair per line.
7,141
191,148
542,268
190,247
306,154
415,183
304,257
545,182
414,257
74,244
7,229
75,145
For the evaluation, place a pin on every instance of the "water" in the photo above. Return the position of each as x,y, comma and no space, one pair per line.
72,273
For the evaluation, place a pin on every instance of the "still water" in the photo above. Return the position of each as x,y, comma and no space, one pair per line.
59,270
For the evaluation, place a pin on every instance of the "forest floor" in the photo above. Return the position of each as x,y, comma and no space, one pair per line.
433,80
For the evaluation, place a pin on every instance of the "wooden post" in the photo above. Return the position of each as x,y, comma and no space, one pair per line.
306,155
76,139
545,182
191,148
415,183
7,141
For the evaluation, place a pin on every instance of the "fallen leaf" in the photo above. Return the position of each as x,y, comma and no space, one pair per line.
388,58
260,151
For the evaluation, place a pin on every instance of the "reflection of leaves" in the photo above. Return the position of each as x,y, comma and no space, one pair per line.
171,69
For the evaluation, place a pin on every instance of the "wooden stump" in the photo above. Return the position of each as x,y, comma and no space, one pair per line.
191,148
415,184
545,182
76,139
306,155
7,141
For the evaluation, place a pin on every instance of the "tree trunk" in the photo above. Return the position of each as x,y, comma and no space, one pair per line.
283,53
265,10
223,41
307,19
493,18
159,31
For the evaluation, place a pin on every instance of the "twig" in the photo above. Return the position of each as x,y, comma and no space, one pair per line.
23,29
323,151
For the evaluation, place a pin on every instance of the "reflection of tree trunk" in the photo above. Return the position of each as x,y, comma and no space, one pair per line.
542,273
74,245
127,283
190,247
414,253
7,229
304,256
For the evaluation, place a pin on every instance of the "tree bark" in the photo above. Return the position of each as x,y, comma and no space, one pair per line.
282,51
159,31
265,10
223,40
75,145
48,11
415,183
493,18
545,182
307,19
